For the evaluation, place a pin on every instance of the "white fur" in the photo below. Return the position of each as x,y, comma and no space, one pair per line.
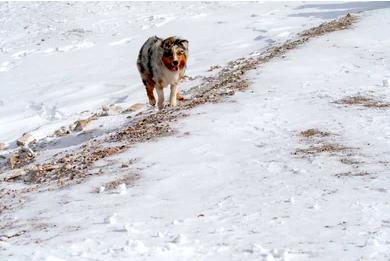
172,79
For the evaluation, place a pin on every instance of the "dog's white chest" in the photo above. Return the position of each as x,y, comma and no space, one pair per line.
170,77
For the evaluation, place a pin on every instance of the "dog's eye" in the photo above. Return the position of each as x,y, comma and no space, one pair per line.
180,52
167,53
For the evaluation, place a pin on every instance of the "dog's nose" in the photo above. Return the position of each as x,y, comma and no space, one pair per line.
175,62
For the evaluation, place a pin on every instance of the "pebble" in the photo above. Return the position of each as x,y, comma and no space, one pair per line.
80,125
24,140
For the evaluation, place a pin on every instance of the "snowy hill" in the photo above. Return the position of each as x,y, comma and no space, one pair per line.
292,167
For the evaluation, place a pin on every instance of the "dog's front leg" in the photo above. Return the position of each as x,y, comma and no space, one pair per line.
160,96
172,98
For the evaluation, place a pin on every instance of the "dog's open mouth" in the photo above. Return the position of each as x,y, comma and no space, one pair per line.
175,68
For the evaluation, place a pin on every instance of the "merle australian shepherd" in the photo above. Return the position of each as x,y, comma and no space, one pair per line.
162,62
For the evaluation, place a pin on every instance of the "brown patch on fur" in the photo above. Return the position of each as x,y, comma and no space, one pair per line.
167,61
168,42
366,101
182,61
149,91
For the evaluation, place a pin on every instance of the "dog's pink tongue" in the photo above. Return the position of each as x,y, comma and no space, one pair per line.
175,69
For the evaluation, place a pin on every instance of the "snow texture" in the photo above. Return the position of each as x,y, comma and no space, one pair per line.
236,182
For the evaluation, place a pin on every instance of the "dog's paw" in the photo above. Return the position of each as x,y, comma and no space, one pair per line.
180,97
152,102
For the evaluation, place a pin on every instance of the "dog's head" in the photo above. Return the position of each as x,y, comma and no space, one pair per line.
175,52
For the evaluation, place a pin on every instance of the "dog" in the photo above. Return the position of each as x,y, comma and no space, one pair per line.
162,62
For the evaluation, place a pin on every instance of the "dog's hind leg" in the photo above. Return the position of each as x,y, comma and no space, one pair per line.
160,96
172,97
149,91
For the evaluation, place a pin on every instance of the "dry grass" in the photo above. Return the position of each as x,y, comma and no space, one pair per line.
366,101
314,133
321,148
319,144
352,174
129,180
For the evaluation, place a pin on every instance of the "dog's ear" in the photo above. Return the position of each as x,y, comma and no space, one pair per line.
184,43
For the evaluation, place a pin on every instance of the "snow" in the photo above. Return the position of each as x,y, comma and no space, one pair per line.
232,189
60,59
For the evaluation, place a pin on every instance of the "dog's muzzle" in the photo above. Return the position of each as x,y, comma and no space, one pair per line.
175,68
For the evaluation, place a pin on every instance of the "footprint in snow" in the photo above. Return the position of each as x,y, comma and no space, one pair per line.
122,41
77,46
260,37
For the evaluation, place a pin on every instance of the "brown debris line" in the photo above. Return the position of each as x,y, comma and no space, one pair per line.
332,26
230,78
69,167
352,174
214,67
314,133
152,125
322,148
366,101
21,158
129,180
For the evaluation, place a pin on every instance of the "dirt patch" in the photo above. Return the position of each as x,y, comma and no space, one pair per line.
314,133
366,101
332,26
322,148
350,161
150,126
21,158
128,180
320,141
71,166
352,174
214,67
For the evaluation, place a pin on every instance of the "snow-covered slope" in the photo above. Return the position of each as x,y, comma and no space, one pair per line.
288,170
60,59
